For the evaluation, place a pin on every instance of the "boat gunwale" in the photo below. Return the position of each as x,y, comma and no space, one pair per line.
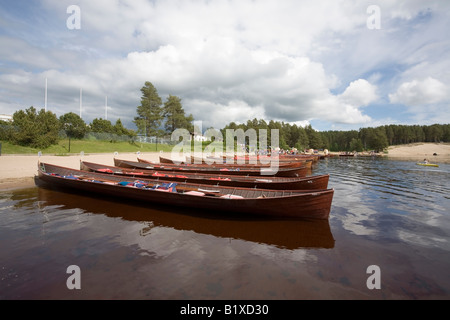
211,177
293,193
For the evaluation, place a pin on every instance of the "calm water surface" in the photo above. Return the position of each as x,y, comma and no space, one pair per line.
392,214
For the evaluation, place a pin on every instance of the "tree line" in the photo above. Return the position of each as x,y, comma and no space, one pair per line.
378,138
41,129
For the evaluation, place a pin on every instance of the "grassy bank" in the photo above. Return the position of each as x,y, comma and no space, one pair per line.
87,146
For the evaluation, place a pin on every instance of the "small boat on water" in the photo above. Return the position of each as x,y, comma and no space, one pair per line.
231,200
277,183
427,164
347,154
233,170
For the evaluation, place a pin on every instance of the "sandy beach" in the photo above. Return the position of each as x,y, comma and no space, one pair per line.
18,171
420,151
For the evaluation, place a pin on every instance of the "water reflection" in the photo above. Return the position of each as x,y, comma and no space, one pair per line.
130,251
288,234
373,190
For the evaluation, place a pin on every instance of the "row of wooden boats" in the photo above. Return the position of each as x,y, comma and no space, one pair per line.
284,160
222,179
290,191
298,169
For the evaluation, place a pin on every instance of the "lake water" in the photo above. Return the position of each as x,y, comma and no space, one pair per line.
393,215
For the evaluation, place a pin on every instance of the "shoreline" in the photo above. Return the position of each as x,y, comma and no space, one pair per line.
18,171
434,152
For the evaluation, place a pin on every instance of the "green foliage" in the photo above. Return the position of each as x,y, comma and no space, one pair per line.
314,138
378,138
5,130
356,145
175,115
149,112
120,130
35,129
102,129
374,138
73,125
102,125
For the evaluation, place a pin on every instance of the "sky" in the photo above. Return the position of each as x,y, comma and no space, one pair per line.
331,64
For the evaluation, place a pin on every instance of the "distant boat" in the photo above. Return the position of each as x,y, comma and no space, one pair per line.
347,154
427,164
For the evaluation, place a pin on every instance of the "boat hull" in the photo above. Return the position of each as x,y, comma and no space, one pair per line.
278,172
277,183
289,204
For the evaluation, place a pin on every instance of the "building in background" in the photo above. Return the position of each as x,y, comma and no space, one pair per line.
5,117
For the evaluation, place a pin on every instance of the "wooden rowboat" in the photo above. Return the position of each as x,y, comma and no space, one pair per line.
253,163
252,158
260,202
280,172
276,183
196,161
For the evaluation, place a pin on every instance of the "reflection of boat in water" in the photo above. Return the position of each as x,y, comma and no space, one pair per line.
282,233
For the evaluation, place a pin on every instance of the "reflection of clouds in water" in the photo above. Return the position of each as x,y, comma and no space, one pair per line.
432,216
162,242
358,210
274,253
423,240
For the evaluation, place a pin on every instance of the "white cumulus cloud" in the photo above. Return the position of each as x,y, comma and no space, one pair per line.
292,61
420,92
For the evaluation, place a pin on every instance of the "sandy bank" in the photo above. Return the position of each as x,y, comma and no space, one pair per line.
18,171
420,151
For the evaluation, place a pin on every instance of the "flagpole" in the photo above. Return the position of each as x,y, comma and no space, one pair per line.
45,98
106,107
81,99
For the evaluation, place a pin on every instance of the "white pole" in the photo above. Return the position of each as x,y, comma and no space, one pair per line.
106,107
81,99
45,99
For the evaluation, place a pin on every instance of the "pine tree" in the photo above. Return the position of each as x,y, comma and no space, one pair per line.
149,112
175,115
